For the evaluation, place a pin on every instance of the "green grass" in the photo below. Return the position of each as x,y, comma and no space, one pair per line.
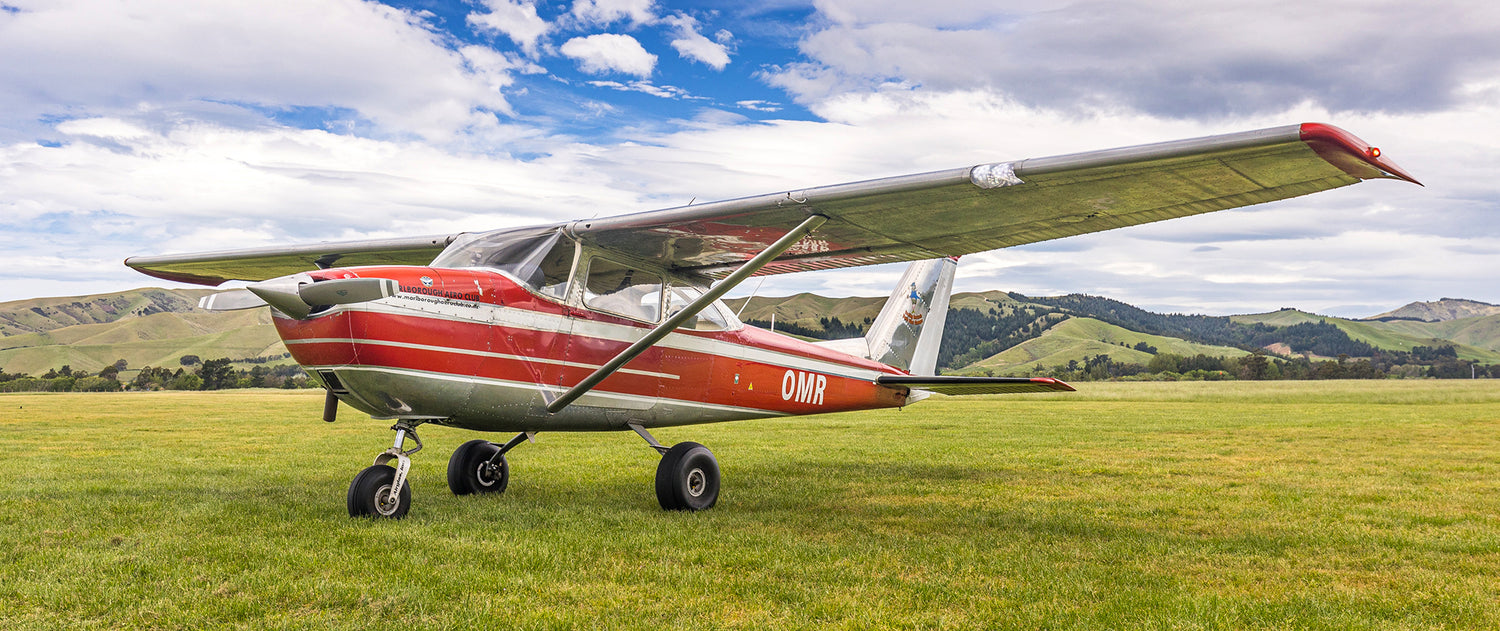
1328,505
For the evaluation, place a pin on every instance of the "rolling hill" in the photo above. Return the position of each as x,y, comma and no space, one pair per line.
1473,338
1077,338
1440,311
147,327
39,315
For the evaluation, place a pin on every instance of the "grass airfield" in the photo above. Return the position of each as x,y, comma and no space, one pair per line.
1222,505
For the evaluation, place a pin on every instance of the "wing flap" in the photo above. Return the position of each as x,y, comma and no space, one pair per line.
959,386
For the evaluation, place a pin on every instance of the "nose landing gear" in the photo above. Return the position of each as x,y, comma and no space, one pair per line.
380,490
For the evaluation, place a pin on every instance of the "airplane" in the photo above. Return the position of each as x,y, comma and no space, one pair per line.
616,323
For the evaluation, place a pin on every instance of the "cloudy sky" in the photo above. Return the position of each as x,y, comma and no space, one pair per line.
155,126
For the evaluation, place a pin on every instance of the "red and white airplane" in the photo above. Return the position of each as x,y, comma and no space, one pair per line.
615,324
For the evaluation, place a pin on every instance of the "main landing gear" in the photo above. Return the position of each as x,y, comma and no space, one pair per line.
479,466
687,478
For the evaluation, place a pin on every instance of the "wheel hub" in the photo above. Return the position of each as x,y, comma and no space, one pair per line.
485,474
385,501
697,481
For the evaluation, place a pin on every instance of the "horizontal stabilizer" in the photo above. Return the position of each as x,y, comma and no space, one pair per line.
975,385
232,300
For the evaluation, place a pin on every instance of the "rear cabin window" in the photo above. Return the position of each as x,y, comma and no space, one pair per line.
709,319
623,290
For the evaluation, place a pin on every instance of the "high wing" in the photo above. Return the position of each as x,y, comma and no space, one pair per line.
923,216
213,268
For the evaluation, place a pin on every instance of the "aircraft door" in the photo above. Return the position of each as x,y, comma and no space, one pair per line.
622,302
695,369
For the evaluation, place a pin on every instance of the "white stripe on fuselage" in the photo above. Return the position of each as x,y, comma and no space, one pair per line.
470,352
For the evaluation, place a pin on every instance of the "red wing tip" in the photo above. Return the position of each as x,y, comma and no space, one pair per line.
1346,151
1055,384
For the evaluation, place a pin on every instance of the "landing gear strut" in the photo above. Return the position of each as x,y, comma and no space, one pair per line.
687,478
381,491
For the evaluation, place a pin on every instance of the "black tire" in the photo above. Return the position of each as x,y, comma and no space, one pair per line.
369,494
468,471
687,478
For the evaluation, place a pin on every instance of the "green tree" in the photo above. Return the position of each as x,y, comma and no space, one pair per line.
96,384
187,381
217,374
1254,367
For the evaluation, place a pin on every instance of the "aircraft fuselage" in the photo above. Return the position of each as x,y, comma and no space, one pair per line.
472,348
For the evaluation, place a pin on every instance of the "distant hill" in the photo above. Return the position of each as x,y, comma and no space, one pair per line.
45,314
1077,338
1476,339
145,327
1440,311
806,311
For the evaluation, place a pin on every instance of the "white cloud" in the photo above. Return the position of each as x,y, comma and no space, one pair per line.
111,128
516,20
606,12
691,44
759,106
1151,56
610,52
93,58
646,87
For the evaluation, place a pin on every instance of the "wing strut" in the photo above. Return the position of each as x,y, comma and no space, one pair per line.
675,320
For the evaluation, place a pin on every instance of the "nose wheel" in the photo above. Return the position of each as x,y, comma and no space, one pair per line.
380,491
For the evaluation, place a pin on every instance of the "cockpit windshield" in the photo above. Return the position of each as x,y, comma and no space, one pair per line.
541,258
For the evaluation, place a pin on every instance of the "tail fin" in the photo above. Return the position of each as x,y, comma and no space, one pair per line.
909,328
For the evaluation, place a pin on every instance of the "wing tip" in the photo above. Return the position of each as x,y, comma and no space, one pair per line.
1055,384
1356,157
176,277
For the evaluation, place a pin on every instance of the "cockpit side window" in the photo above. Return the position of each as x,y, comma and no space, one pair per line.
623,290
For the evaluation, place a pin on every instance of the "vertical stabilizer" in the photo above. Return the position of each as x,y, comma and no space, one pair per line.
909,328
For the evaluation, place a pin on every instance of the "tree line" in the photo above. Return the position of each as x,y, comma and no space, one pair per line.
1259,367
193,373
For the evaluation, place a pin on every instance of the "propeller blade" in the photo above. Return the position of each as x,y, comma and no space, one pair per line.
343,291
231,300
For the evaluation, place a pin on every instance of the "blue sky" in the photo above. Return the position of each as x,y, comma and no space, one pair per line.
150,126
